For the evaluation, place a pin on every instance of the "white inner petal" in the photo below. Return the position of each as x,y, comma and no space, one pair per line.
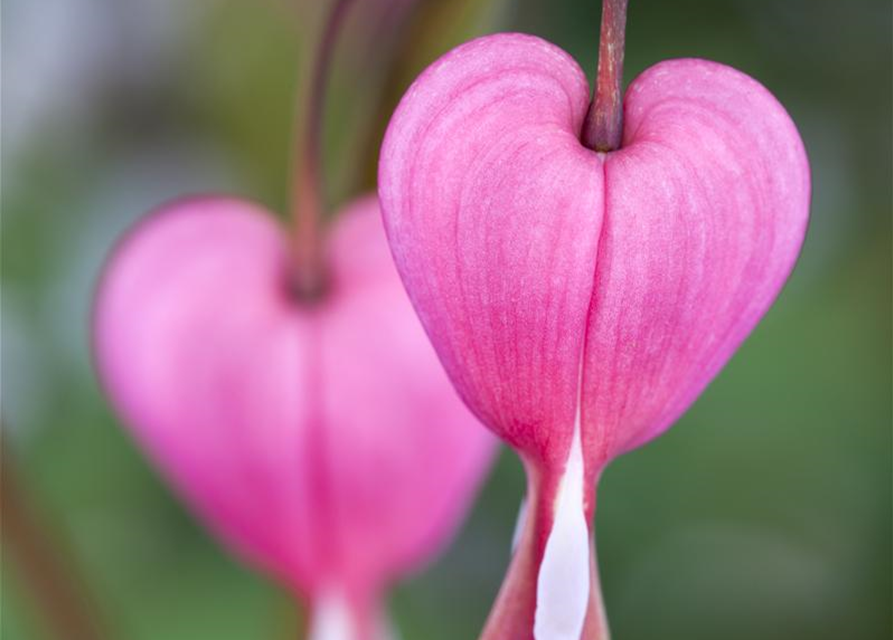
332,619
519,524
562,590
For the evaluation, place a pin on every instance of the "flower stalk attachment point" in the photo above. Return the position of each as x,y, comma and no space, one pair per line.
603,127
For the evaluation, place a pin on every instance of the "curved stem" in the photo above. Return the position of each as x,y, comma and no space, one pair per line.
66,607
513,613
603,128
307,186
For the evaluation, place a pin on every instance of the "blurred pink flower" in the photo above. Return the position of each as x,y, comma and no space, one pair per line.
321,441
581,301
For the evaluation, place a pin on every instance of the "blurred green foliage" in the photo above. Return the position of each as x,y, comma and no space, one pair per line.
765,513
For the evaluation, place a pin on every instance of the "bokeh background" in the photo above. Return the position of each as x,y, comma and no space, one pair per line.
764,513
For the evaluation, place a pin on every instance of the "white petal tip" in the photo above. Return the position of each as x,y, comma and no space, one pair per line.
562,590
332,619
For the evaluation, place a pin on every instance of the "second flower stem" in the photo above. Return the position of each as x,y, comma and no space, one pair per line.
307,194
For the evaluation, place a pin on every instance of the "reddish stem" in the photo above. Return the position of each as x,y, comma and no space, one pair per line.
307,186
66,607
512,616
603,128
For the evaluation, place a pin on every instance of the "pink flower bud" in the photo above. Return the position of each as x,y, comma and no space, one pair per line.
321,441
581,301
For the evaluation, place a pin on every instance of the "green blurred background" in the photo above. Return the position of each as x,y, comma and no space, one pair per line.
764,513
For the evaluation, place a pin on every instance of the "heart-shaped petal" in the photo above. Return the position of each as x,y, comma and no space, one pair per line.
493,211
324,442
549,275
573,294
706,208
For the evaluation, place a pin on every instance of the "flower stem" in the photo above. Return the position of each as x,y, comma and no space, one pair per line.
603,128
66,607
307,186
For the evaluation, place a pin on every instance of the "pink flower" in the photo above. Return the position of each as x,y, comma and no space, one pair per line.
322,441
581,301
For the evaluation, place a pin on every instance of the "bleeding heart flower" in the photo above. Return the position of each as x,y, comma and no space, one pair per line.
580,301
320,440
